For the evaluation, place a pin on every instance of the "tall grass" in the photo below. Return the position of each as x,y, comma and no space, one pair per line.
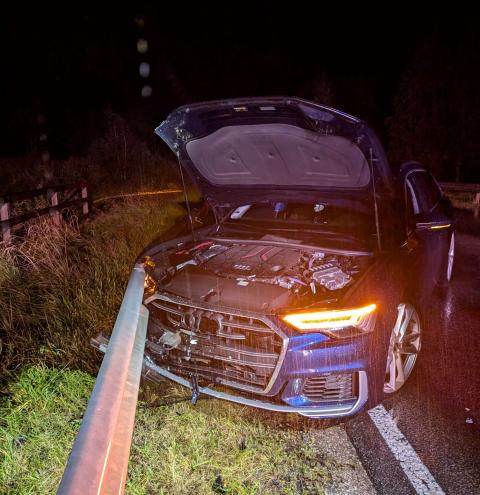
60,285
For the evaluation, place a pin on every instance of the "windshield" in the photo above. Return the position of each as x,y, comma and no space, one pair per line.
317,222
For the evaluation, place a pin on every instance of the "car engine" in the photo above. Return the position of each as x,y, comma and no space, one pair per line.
288,268
298,270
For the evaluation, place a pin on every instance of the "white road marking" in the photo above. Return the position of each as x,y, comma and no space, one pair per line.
420,477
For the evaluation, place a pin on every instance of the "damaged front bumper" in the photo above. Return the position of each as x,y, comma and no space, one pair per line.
156,373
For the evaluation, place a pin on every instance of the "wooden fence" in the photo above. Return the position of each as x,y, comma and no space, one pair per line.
57,198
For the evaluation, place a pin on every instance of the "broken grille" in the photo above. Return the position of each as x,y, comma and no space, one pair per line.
236,350
331,387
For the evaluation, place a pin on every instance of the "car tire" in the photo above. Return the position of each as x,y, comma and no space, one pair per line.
447,265
404,346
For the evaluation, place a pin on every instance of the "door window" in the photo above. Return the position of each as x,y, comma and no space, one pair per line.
424,190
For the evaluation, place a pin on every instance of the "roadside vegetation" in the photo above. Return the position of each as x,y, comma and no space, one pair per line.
116,161
212,448
61,285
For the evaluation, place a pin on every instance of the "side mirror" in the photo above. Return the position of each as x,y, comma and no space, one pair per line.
419,226
431,221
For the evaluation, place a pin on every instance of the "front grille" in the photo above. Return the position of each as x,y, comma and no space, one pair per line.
331,387
233,349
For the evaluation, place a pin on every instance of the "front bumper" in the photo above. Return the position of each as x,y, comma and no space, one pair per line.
155,373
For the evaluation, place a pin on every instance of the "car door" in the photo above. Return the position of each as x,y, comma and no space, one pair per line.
429,227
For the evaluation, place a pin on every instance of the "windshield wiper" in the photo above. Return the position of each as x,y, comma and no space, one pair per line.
284,229
241,225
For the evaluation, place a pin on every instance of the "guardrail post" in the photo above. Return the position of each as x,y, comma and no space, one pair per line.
476,202
53,200
4,218
84,193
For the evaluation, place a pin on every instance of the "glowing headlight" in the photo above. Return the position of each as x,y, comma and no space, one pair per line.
329,320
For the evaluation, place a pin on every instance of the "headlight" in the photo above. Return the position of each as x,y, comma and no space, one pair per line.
333,320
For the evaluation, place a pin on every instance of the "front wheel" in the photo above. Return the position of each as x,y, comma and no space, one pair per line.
405,343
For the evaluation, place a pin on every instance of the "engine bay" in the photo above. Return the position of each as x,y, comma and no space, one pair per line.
300,271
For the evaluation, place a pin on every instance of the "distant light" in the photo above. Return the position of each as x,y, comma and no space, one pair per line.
43,137
140,22
144,69
142,45
146,91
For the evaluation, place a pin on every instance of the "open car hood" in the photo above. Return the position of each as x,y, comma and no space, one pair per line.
242,150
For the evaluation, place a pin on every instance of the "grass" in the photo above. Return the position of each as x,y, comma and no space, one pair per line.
212,448
39,420
60,285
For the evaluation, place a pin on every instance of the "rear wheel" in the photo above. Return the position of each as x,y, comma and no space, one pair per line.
447,266
451,257
405,343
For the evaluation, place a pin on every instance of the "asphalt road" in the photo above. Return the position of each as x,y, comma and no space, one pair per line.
438,410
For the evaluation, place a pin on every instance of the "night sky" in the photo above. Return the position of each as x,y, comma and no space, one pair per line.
71,62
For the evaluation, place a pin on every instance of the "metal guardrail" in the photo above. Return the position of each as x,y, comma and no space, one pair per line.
99,459
466,188
459,187
9,219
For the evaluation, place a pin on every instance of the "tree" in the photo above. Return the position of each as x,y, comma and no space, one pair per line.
435,111
319,90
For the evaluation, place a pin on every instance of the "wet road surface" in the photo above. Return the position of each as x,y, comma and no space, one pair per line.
438,410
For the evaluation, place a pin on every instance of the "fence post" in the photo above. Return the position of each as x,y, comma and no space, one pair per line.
53,199
476,202
4,218
84,193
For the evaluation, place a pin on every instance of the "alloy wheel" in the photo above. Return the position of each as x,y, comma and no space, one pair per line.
405,343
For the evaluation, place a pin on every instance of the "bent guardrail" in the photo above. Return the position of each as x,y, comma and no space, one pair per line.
98,461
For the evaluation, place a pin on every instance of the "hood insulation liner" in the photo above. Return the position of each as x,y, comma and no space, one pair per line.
278,154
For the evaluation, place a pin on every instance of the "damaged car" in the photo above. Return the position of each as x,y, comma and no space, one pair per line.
298,284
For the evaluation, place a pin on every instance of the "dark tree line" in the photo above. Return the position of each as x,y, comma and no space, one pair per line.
436,117
64,69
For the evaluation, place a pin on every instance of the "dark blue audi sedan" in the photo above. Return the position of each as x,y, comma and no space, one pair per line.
299,284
